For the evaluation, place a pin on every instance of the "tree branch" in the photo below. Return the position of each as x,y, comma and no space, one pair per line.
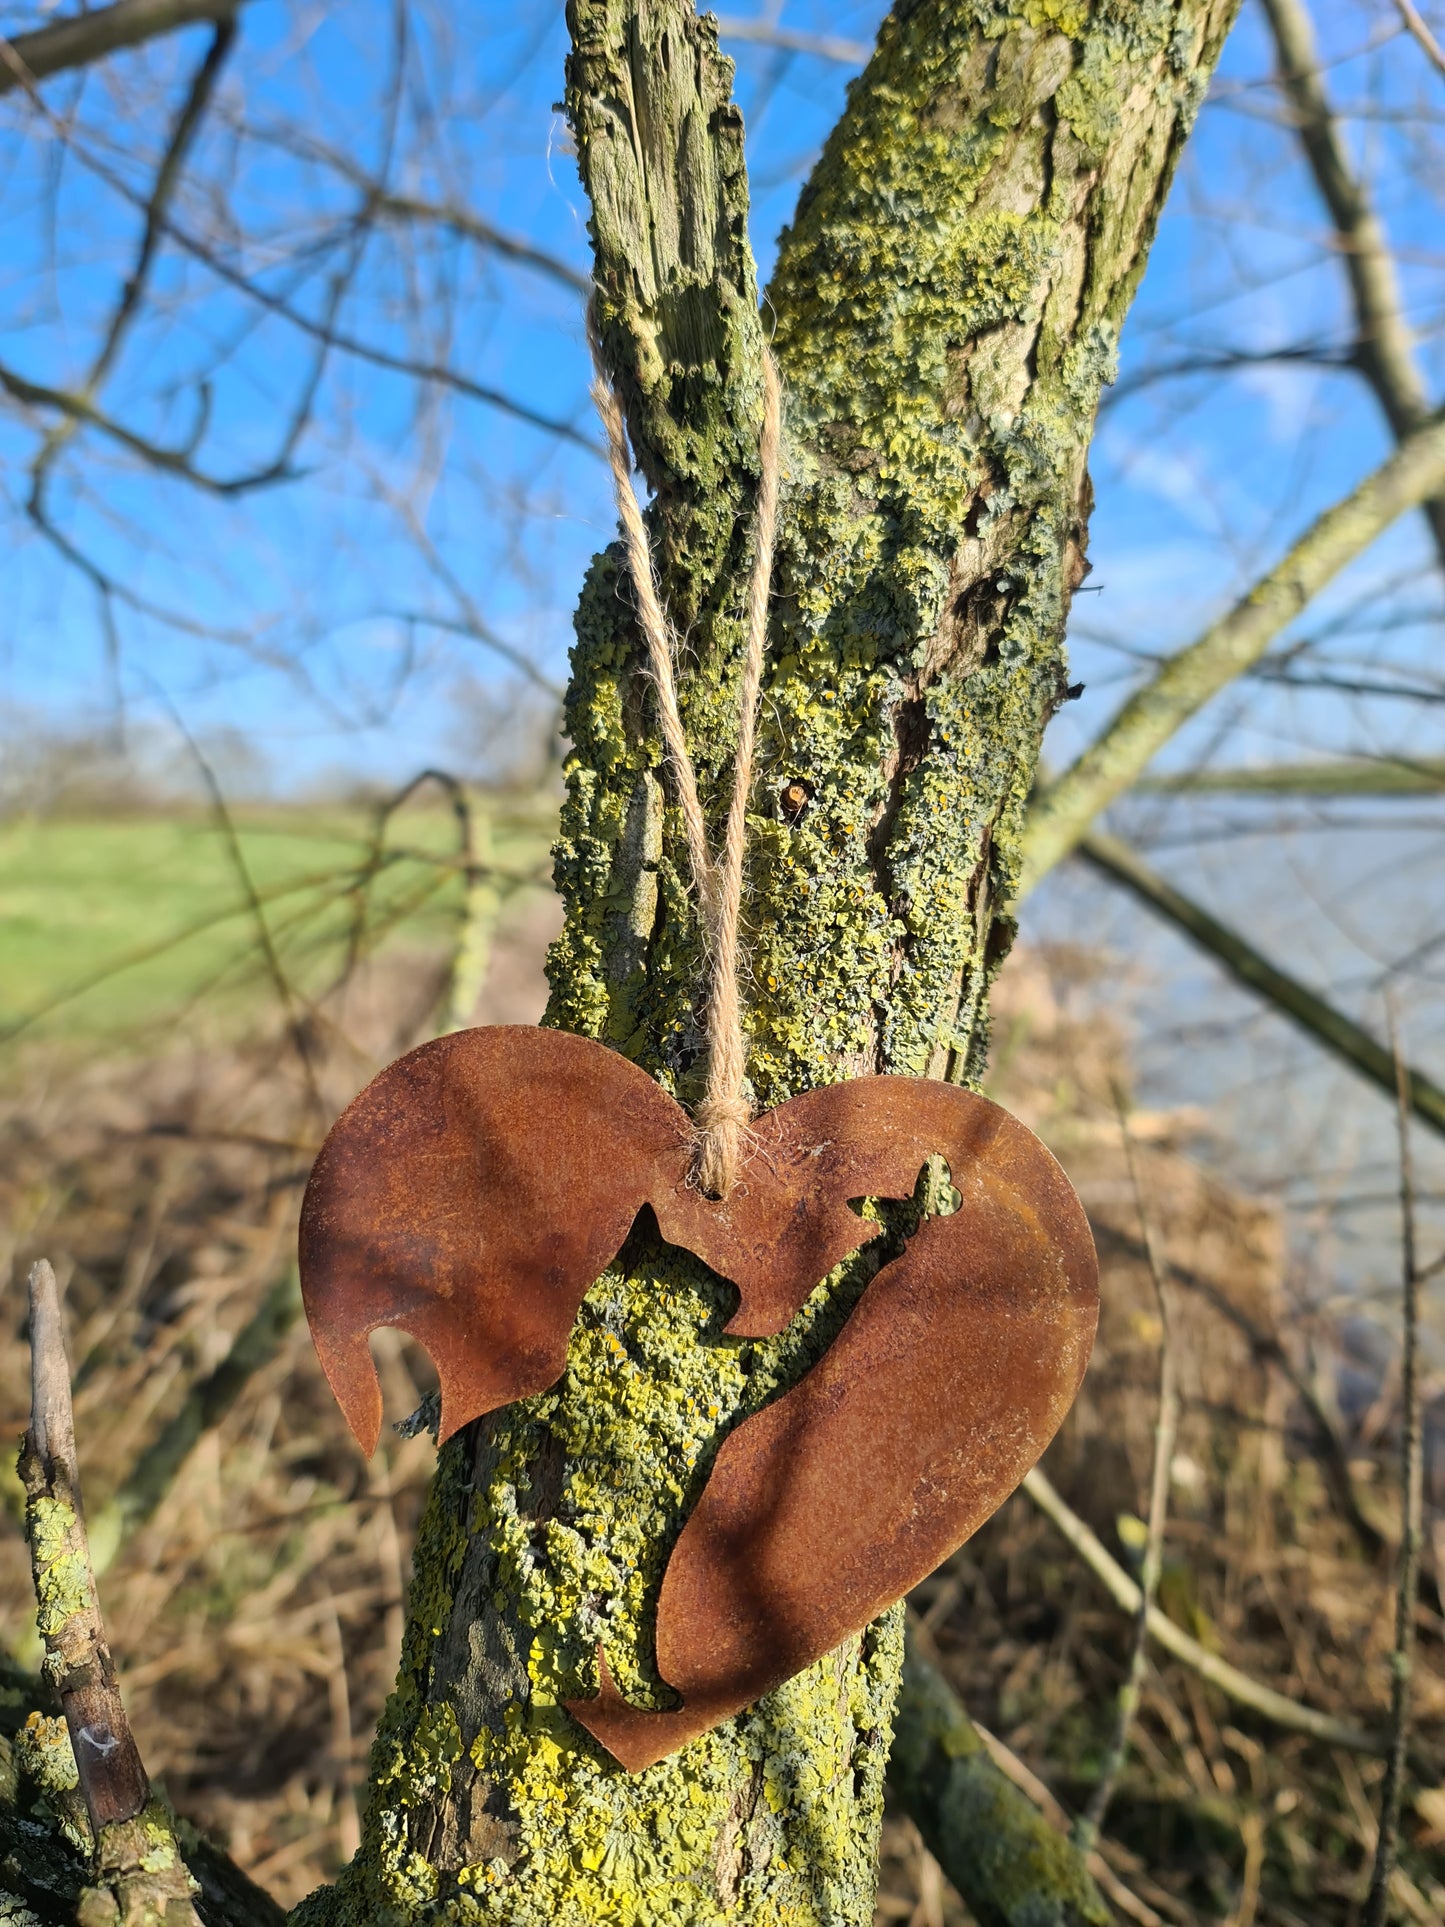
1412,1506
1166,1428
1060,818
1223,361
461,219
1377,776
1267,1348
1007,1861
137,1859
847,53
1322,1021
1261,1699
187,125
87,37
83,412
1417,24
473,227
325,332
206,1404
1384,350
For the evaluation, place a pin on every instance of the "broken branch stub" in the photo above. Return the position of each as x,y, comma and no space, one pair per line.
140,1876
476,1190
78,1662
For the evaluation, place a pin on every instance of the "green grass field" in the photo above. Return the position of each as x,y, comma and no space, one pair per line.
115,929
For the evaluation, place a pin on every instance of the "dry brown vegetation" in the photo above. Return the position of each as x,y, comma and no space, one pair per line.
258,1614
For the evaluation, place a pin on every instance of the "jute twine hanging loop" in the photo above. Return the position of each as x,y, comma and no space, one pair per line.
724,1114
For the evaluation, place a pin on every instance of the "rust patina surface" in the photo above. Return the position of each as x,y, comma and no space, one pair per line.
475,1190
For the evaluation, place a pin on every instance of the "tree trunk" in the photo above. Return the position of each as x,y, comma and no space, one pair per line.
946,306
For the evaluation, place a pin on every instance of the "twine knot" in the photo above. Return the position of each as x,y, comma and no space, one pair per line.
724,1113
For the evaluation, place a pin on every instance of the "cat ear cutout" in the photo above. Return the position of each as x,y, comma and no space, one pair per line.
475,1191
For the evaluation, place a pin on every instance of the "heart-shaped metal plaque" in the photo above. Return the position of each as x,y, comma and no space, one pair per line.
475,1190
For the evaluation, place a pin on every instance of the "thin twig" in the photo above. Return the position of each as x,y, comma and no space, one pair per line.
1329,1026
90,35
1334,1460
187,124
80,411
322,331
766,33
1292,1714
1340,776
1383,348
471,626
1412,1469
1062,815
461,219
287,995
1417,24
150,1480
1090,1822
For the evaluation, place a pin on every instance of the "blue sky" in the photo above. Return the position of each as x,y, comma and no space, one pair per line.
433,506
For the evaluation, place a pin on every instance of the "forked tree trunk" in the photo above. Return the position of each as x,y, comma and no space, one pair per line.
946,307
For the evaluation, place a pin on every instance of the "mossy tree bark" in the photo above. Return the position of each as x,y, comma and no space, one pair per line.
945,309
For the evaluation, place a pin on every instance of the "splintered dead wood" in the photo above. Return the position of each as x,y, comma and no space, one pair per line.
136,1857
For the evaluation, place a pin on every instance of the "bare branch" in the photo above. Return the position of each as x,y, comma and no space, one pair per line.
1412,1504
136,1857
451,214
88,37
83,412
1294,1715
1223,361
466,222
110,591
1373,776
333,337
287,995
1290,678
1417,24
475,630
944,1775
325,332
1384,350
206,1404
1090,1823
847,53
188,122
1061,816
1033,1788
1304,1007
341,883
1333,1458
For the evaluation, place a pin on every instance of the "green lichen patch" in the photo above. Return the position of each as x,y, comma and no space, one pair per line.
62,1577
44,1752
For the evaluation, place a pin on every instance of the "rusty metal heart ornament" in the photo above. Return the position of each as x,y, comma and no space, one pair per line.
479,1186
